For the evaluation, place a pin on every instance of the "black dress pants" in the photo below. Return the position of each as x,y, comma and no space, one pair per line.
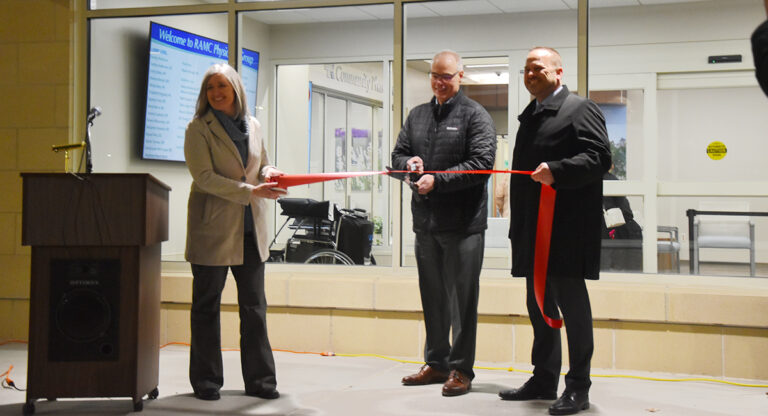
205,362
572,298
449,278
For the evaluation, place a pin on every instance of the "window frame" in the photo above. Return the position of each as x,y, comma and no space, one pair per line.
649,188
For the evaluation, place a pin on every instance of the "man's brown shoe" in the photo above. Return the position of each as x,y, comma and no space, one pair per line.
458,383
426,375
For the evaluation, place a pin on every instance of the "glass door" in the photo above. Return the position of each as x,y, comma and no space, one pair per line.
336,152
627,102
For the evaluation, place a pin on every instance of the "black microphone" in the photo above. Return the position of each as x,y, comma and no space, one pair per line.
95,112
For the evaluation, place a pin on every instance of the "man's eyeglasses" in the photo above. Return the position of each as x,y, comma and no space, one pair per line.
445,77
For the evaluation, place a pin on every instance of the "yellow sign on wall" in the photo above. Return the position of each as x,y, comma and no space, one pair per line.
716,150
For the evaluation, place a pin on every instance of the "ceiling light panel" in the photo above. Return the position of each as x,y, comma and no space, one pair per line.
488,77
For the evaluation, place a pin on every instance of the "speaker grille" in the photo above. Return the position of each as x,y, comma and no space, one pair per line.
83,315
84,310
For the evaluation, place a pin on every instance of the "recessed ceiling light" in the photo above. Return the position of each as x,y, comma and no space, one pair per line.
486,66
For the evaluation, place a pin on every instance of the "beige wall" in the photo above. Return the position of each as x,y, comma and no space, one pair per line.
703,325
35,82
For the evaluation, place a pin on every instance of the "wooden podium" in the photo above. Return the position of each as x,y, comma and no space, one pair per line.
94,324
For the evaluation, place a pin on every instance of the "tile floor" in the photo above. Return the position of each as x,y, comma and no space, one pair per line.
315,385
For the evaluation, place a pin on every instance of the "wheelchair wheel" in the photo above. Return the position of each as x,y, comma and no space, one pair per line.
329,256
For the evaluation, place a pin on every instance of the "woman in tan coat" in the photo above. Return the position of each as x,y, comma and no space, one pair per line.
227,229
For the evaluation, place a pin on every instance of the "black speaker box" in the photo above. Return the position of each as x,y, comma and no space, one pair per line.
84,310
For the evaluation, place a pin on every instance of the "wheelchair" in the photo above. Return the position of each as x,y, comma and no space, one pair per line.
323,234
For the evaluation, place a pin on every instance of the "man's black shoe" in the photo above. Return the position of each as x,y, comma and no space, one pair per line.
570,403
208,394
268,394
529,391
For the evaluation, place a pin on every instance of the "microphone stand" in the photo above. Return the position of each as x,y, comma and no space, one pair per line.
88,161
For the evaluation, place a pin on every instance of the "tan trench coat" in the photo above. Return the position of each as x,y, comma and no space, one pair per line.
221,187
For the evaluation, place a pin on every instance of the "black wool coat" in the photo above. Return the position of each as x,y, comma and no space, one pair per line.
569,134
760,54
458,135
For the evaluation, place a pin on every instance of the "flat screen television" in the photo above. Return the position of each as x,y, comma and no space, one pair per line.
177,62
249,72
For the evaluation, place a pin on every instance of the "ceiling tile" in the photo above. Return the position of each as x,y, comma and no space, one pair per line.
379,11
519,6
613,3
651,2
338,14
573,4
417,10
462,7
278,17
436,8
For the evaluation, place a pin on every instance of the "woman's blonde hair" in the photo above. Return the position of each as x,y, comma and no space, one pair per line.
241,105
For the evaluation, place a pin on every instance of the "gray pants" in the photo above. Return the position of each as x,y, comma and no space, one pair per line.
449,279
256,360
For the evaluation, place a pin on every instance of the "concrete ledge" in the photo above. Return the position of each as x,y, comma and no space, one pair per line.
713,326
673,299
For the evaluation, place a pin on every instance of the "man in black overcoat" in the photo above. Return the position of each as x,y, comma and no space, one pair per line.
760,52
562,138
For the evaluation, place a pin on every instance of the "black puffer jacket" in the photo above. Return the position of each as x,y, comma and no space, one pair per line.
458,135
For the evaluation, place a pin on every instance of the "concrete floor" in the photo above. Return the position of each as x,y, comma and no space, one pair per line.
315,385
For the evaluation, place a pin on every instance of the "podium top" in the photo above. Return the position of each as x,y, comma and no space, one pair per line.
109,209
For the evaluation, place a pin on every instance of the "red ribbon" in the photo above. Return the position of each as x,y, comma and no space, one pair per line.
541,253
543,225
285,181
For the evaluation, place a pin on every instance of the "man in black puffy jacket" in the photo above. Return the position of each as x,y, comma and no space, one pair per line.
449,133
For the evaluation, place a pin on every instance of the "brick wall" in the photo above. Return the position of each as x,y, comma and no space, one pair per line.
35,84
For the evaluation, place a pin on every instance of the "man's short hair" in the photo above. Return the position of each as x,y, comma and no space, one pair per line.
459,63
557,60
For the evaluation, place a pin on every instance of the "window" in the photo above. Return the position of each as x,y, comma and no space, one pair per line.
492,59
329,114
688,107
647,69
346,134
